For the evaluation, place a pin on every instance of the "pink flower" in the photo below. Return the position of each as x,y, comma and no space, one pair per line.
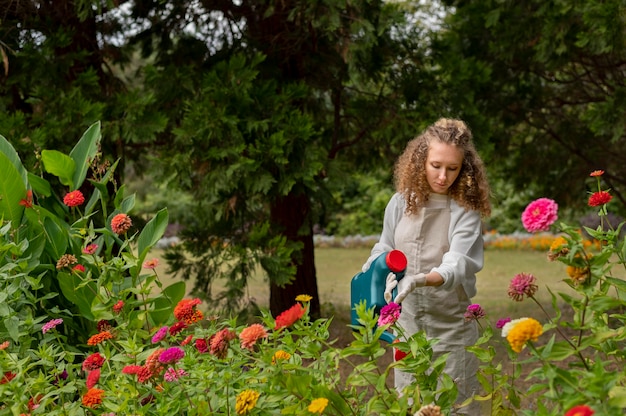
121,223
522,284
74,199
171,355
151,264
51,325
250,335
596,173
501,322
539,215
172,374
90,249
474,312
389,314
93,377
219,342
160,334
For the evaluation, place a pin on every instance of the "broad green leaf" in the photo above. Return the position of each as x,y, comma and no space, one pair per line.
60,165
152,233
84,152
164,304
12,191
7,149
39,185
80,294
57,236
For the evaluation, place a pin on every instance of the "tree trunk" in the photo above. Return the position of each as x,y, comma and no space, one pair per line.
291,214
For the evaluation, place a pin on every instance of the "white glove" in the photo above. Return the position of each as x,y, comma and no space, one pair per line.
409,283
391,283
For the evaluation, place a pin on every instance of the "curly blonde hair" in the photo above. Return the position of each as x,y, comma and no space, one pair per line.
470,189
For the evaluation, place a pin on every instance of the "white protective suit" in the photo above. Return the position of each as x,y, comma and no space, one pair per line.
445,238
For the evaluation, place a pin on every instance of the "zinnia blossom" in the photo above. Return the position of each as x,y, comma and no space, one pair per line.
520,331
79,268
219,342
131,369
303,298
250,335
7,376
185,311
578,274
151,264
389,314
28,201
558,248
289,317
580,410
539,215
99,338
246,400
119,305
176,328
90,249
92,378
522,284
4,345
93,362
121,223
280,355
171,355
474,312
596,173
318,405
201,345
172,374
599,198
51,325
501,322
186,340
93,398
73,199
160,334
398,354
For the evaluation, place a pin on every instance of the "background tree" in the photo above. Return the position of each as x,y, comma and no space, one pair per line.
545,82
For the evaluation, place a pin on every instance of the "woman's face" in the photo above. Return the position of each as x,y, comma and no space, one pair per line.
443,166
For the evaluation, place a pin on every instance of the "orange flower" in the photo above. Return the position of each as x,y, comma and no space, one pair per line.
121,223
28,201
100,337
289,317
597,173
151,264
93,398
250,335
4,345
184,311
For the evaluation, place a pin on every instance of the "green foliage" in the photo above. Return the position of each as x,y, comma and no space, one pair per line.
76,264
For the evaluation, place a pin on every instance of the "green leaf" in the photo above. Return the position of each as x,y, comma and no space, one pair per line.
7,149
60,165
39,185
617,396
80,294
12,326
152,233
12,191
84,152
164,304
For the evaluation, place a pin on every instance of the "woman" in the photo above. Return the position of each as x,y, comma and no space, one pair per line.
434,217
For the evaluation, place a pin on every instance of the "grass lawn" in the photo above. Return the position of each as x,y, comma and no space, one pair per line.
336,266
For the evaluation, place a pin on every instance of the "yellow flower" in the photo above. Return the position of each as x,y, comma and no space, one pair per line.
303,298
558,244
280,355
318,405
246,400
520,331
578,274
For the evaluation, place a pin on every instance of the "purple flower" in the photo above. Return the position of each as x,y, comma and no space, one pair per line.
51,325
171,355
389,314
501,322
160,334
474,312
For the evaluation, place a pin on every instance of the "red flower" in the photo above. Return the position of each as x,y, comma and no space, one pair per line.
131,369
92,378
8,376
597,173
398,355
185,312
93,362
79,268
121,223
289,317
177,328
28,202
581,410
186,340
599,198
219,342
201,345
117,308
74,199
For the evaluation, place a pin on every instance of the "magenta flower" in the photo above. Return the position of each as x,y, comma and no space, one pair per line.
501,322
389,314
171,355
51,325
474,312
160,334
522,284
539,215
